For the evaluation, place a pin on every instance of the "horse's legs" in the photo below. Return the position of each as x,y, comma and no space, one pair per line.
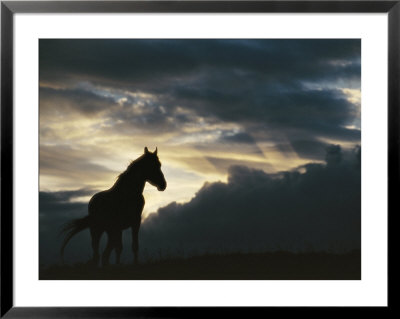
135,242
118,246
106,254
95,234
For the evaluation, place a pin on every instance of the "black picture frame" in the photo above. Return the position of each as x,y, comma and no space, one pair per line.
9,8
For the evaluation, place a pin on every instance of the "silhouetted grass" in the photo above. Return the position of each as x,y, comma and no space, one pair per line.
238,266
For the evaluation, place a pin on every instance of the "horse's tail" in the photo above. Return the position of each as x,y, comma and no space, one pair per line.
70,229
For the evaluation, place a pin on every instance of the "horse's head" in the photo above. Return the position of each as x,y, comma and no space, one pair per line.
153,173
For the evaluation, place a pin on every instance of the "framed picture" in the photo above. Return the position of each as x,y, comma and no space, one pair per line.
172,158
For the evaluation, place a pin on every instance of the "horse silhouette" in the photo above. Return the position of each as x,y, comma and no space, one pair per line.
118,208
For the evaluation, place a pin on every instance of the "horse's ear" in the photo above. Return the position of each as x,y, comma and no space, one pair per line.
146,150
155,152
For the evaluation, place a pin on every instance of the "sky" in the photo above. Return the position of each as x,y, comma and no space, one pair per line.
259,140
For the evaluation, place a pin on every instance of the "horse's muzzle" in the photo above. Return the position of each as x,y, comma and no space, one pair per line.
162,188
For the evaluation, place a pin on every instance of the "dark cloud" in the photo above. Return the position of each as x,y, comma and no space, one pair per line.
135,62
322,112
333,154
318,209
56,208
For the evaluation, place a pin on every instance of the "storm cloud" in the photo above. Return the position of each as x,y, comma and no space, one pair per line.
319,209
136,63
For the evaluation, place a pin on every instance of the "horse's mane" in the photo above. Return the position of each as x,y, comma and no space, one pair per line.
132,167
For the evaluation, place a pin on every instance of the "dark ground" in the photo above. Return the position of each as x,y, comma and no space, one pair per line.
239,266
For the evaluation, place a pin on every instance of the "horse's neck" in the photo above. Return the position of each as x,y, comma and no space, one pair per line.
138,186
131,186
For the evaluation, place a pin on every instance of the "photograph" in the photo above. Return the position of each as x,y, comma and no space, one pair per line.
199,159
